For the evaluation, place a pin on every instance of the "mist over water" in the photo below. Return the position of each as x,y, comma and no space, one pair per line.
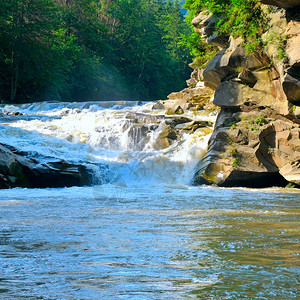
145,233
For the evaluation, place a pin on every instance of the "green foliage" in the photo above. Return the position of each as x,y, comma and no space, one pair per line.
277,38
234,120
240,69
199,49
290,185
237,160
281,54
25,34
260,120
91,49
241,18
271,150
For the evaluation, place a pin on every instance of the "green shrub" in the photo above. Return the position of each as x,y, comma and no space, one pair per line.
260,120
236,162
239,18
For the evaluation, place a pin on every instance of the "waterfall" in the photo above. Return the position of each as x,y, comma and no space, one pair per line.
137,143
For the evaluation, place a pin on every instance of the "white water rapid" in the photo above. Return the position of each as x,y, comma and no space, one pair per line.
144,233
137,143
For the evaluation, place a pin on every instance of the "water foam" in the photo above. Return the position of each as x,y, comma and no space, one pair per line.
123,135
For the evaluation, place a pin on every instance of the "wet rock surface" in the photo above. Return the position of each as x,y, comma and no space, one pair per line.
26,170
57,161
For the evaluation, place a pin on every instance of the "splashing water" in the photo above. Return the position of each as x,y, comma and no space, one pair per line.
131,139
145,234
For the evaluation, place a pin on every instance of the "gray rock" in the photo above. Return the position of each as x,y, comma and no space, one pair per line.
204,24
235,94
226,62
158,105
192,82
247,77
16,170
291,87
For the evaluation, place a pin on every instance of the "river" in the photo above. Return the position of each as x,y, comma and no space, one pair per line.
144,232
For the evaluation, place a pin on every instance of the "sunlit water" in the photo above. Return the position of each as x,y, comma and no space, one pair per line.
147,234
119,242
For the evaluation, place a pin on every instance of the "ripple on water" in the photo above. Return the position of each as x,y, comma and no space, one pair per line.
203,242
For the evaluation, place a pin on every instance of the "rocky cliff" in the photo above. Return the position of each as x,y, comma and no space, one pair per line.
256,139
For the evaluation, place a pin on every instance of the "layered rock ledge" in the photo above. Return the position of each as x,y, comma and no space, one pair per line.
256,139
159,126
39,172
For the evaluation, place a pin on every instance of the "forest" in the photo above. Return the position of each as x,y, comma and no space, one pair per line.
68,50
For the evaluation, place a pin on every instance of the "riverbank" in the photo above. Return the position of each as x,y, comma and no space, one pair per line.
256,138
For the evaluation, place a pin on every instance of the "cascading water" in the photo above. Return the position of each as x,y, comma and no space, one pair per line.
137,143
140,231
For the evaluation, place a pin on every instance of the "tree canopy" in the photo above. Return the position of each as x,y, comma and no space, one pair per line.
91,49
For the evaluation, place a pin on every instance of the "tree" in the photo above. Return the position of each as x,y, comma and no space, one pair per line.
90,49
26,56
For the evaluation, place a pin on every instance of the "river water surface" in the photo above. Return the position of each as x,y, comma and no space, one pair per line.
146,233
149,243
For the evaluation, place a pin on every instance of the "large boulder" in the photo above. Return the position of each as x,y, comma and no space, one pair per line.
228,63
266,92
11,171
251,149
291,87
291,76
282,46
16,170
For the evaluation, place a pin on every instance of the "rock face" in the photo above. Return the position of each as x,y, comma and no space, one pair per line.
204,25
256,140
18,171
197,96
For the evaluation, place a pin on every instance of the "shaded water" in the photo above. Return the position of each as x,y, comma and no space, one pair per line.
146,234
120,242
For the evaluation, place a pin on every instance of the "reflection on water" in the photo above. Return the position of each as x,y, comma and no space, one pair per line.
119,242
